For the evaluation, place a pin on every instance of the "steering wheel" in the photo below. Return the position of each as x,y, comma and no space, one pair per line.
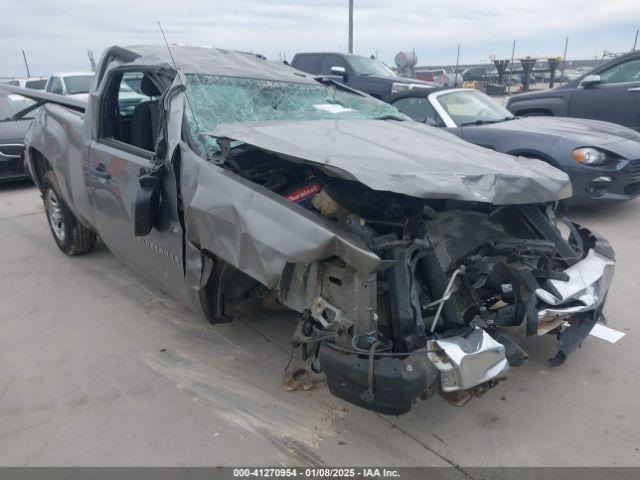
484,113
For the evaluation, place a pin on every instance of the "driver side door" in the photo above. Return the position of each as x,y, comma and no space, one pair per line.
615,99
130,122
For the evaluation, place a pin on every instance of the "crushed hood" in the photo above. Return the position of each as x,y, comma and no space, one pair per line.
406,157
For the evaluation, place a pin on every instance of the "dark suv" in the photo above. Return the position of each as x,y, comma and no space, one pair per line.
479,74
362,73
610,92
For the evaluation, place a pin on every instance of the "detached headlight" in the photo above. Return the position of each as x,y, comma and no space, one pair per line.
399,87
589,156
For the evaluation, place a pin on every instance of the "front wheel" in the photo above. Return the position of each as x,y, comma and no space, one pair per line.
71,237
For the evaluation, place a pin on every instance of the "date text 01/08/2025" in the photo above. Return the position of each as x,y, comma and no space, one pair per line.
325,472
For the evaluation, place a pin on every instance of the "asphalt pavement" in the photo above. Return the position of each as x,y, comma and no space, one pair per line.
99,367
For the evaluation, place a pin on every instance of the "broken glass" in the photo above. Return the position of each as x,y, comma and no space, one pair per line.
213,100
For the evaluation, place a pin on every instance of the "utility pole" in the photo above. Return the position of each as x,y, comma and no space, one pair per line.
635,42
455,79
566,44
513,54
26,64
92,62
350,26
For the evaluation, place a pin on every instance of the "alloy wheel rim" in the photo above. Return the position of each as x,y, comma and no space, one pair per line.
56,217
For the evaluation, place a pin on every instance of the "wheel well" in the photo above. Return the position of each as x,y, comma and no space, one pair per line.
225,285
40,165
538,155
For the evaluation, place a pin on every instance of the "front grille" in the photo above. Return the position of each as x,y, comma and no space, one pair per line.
13,150
632,188
9,167
634,168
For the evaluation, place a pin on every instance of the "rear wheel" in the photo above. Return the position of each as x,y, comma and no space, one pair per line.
70,236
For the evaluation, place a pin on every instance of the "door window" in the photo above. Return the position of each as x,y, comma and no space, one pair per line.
419,109
132,110
623,73
308,63
332,61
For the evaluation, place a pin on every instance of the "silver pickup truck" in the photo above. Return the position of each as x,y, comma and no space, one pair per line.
406,251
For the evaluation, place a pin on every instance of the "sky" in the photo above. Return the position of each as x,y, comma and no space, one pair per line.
56,34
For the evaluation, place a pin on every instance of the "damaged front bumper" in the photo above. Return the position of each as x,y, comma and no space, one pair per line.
462,366
585,290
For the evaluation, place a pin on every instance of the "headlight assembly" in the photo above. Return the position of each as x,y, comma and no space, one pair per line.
399,87
589,156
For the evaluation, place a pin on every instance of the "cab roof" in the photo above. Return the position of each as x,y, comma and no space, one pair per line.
205,61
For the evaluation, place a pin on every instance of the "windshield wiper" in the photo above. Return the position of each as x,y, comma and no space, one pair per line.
486,122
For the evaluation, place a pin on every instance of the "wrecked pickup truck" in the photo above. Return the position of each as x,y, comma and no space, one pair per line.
406,251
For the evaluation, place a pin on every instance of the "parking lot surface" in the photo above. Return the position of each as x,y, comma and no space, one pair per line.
98,367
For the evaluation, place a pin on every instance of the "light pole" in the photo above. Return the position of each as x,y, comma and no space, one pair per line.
26,64
350,26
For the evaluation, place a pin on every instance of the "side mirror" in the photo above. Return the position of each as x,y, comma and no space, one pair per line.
339,71
590,81
431,122
147,204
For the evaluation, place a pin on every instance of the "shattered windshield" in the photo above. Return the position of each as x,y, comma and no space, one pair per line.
216,99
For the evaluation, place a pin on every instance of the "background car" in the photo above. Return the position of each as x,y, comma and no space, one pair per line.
610,92
441,77
362,73
75,84
479,74
36,83
601,159
15,118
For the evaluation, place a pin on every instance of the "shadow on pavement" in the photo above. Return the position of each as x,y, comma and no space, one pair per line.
16,186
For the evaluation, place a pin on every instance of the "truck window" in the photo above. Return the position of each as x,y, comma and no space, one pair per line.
623,73
56,86
36,84
78,84
308,63
132,111
332,61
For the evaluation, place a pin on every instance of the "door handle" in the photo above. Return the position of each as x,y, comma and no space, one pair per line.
100,171
633,89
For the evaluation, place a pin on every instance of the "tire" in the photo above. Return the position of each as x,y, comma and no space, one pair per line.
71,237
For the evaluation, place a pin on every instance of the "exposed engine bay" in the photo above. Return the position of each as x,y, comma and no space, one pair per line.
452,275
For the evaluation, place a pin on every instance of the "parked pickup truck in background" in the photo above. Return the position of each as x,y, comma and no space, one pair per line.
362,73
74,84
404,249
610,92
